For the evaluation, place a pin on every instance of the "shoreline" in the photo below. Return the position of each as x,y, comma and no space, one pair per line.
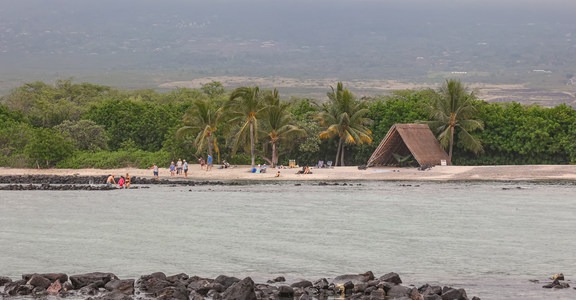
534,173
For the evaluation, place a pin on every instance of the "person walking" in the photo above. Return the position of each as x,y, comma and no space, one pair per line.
209,163
185,168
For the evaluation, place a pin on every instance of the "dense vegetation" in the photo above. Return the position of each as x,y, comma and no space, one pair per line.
85,125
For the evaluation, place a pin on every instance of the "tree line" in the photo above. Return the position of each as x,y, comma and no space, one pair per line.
83,125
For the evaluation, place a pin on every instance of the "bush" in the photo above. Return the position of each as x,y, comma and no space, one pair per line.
117,159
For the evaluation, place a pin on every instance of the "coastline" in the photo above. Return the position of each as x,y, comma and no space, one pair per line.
550,173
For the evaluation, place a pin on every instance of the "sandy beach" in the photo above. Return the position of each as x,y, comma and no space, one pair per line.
437,173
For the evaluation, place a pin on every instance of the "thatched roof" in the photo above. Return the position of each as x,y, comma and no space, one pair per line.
404,139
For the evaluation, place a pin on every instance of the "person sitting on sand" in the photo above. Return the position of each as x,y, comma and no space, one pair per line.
307,170
301,171
121,182
278,173
110,181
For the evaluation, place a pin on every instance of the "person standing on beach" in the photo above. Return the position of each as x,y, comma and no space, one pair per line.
179,167
209,163
155,171
172,168
185,168
127,184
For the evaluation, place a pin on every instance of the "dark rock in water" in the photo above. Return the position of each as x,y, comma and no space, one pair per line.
125,286
398,291
243,289
82,280
427,289
321,284
433,297
476,298
285,291
39,281
301,284
11,288
172,293
392,278
279,279
449,293
50,276
4,280
557,285
226,281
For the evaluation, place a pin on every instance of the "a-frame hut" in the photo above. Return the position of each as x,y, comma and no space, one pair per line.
403,139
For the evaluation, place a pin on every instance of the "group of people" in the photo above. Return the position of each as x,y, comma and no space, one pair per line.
123,182
260,169
206,164
305,170
181,167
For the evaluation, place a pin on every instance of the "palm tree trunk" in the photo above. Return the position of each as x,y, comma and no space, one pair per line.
252,144
342,154
274,155
338,152
451,145
210,145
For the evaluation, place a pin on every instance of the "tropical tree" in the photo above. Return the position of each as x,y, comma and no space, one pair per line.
344,117
278,125
455,110
244,107
202,121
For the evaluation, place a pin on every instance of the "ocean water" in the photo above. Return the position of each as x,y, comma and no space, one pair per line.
489,238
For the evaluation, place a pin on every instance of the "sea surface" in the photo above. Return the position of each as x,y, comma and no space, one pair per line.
489,238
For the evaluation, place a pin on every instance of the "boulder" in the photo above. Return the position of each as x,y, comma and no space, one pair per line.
321,284
301,284
125,286
398,291
242,290
39,281
285,291
226,281
4,280
392,278
82,280
172,293
449,293
50,276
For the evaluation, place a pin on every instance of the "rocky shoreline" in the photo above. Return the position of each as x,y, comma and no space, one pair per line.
97,183
107,286
74,182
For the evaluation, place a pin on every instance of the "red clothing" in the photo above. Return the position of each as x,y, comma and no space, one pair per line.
121,182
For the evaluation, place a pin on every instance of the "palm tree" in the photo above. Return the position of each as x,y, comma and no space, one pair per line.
344,117
244,107
455,108
277,123
202,120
